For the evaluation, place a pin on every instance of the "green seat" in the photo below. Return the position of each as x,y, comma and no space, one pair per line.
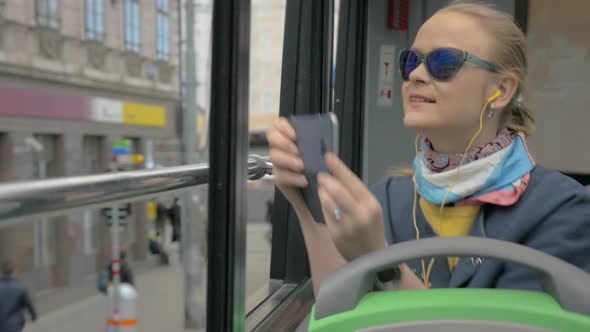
345,302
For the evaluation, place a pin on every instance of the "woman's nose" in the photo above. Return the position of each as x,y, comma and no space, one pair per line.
419,75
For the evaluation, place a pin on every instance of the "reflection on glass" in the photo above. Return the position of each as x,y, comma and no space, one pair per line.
266,47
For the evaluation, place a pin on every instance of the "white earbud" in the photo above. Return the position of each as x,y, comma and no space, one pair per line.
491,111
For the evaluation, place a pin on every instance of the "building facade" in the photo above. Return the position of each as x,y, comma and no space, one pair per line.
75,75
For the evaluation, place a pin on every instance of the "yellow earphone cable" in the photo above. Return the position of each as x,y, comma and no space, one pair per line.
426,271
464,156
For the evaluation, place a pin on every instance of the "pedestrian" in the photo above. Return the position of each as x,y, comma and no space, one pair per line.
14,299
124,269
175,218
161,216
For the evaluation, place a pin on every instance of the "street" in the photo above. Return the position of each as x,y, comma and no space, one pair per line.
160,300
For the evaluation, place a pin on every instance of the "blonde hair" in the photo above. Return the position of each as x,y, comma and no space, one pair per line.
509,58
400,171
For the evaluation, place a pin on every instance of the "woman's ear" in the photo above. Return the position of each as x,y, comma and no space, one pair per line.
508,87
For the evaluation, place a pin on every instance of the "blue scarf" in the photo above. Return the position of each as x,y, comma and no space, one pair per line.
499,178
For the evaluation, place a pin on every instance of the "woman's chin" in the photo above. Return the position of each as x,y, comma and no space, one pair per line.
418,122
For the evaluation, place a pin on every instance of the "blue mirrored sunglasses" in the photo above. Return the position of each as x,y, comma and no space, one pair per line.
441,64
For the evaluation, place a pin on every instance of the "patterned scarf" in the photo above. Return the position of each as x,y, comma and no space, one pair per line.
496,173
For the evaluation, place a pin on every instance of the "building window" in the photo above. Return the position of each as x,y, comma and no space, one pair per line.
163,30
95,19
132,26
48,13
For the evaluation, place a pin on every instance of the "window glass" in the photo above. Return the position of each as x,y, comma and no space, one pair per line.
266,54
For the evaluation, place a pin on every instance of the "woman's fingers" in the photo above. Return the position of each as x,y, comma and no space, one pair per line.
340,226
339,194
328,207
287,164
287,178
360,229
341,172
286,161
285,127
279,139
328,204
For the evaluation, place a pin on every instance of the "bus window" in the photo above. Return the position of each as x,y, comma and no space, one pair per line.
266,54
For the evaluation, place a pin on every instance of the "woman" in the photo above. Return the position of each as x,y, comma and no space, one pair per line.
464,78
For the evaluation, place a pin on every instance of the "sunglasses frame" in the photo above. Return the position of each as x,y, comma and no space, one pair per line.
465,57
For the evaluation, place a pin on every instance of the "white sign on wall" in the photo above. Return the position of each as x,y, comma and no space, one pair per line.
386,75
107,110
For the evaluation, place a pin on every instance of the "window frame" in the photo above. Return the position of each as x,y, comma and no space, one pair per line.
230,53
521,15
163,37
48,18
132,26
92,32
306,87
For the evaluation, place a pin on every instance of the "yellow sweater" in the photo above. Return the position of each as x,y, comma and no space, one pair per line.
454,221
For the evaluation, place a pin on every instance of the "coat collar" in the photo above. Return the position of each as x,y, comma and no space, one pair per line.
467,266
440,275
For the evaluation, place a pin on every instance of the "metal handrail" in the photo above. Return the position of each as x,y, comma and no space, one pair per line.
51,197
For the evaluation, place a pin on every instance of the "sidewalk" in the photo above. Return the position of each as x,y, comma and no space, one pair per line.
160,304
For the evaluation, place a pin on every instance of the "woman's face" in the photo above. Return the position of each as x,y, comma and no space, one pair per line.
453,117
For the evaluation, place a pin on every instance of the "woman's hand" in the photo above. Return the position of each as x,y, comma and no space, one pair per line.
353,215
360,229
286,163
